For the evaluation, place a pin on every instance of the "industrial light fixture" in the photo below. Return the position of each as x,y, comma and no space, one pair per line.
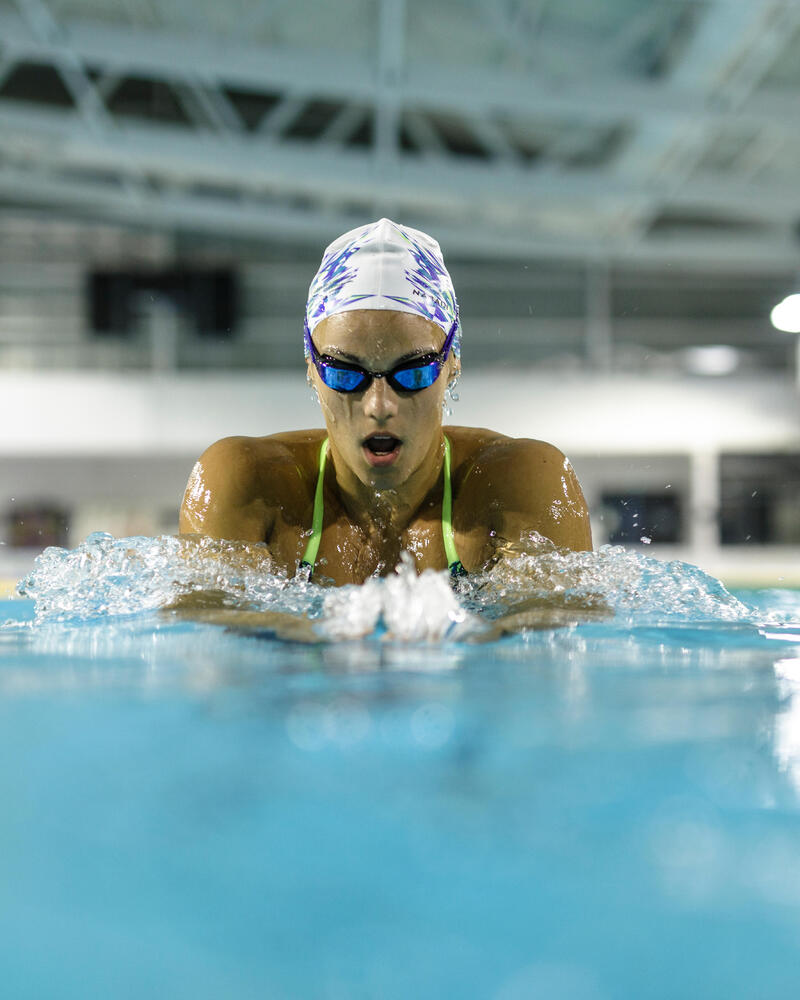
786,315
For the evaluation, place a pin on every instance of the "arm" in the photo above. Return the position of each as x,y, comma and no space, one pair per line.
543,493
224,497
530,486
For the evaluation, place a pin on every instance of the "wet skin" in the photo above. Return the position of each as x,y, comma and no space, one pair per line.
383,499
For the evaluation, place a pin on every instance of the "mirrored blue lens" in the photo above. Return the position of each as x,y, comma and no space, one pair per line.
419,377
341,379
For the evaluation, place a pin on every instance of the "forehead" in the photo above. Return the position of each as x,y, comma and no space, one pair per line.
377,333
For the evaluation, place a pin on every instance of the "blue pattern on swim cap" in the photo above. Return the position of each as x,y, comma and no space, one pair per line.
436,302
333,275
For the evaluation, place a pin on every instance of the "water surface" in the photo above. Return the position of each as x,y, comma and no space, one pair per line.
603,811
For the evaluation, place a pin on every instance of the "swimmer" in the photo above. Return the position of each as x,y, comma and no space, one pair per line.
340,504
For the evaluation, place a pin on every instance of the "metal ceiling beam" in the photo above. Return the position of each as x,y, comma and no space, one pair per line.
222,114
62,142
280,116
343,124
307,74
724,29
723,63
47,32
166,211
424,135
498,194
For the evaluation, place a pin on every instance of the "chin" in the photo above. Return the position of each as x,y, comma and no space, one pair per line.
387,477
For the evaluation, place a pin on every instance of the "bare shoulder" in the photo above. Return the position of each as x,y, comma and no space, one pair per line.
479,454
522,484
238,482
244,463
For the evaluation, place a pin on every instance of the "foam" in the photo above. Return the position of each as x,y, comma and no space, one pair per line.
107,577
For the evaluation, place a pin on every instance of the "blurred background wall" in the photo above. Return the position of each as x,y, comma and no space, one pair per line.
616,187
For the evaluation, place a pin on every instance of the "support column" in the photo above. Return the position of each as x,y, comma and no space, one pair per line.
704,501
598,340
391,61
797,361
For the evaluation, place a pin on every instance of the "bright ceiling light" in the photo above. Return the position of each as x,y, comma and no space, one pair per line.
786,315
716,359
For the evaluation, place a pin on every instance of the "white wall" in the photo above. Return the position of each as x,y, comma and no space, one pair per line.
88,413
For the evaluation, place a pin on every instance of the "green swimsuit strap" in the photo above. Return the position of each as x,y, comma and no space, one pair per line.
310,554
453,562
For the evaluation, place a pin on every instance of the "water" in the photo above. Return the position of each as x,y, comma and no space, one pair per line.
605,810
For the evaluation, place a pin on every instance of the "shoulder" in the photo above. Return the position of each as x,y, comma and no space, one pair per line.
522,484
479,452
252,463
238,483
527,456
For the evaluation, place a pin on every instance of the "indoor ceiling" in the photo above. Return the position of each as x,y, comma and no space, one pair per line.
639,132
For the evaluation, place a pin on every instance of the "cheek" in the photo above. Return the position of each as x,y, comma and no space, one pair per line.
426,409
336,407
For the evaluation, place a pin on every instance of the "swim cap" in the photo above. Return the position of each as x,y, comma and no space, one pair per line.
384,266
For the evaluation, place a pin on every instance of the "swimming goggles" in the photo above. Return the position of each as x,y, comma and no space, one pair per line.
408,376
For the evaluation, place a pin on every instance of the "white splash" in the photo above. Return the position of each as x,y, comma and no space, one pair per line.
413,608
111,577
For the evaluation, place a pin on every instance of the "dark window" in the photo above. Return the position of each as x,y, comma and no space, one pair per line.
760,499
37,525
632,517
207,297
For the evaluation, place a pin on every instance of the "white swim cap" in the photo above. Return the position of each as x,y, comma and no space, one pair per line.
384,266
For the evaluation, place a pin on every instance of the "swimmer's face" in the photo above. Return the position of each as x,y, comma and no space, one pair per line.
381,434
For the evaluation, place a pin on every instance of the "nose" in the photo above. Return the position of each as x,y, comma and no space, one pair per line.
380,401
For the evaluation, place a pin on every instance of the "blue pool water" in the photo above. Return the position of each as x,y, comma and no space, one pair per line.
603,811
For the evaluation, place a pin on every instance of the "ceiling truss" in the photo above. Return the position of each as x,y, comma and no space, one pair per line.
165,129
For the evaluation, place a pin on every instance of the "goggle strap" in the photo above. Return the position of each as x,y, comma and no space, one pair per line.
450,338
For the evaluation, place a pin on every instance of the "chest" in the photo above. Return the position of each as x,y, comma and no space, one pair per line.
349,554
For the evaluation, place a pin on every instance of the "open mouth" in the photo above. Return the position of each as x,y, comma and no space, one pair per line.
381,449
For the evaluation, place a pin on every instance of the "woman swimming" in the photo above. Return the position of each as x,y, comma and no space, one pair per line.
382,343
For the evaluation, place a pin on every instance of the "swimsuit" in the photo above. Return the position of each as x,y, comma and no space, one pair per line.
453,562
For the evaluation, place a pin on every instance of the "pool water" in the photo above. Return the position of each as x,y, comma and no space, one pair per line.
609,810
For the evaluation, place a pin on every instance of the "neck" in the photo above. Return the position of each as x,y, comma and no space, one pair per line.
392,508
